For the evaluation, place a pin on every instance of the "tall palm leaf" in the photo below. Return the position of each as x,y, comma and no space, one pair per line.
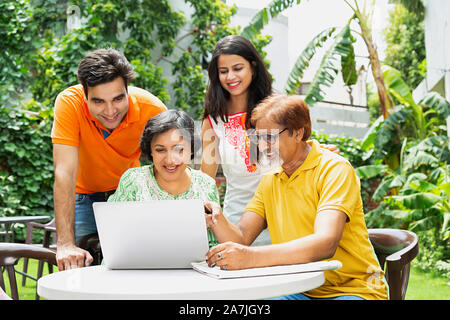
401,91
263,17
304,58
328,69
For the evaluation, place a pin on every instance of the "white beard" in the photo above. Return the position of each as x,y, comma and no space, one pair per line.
267,164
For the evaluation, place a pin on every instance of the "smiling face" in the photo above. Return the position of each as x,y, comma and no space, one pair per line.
108,102
235,73
171,154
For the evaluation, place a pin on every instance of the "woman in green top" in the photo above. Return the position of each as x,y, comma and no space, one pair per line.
168,142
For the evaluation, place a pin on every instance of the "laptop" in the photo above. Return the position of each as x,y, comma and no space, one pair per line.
163,234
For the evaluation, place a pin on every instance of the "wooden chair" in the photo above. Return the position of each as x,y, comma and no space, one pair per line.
395,249
49,241
91,243
10,253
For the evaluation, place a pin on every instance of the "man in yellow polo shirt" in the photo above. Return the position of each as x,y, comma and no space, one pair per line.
95,135
311,205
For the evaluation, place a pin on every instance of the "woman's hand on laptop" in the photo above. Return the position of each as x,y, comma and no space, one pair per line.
69,256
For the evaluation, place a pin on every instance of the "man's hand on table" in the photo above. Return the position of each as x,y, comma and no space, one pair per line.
69,256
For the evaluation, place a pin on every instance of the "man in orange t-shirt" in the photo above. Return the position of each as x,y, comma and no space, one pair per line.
95,135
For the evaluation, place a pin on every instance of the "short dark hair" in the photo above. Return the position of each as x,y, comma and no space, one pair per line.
163,122
103,66
288,111
260,87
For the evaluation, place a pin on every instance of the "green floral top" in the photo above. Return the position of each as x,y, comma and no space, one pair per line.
139,184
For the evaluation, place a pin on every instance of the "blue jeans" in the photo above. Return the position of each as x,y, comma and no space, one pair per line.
84,214
301,296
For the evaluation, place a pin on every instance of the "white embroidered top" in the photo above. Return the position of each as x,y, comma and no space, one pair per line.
242,177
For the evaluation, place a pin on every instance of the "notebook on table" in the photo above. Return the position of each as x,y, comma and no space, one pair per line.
216,272
163,234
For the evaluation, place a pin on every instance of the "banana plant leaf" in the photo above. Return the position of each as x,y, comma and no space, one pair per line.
415,160
263,17
388,130
446,188
424,186
404,215
304,58
423,200
397,182
441,174
383,188
328,68
370,171
424,224
435,101
369,138
401,91
396,86
434,145
348,65
414,178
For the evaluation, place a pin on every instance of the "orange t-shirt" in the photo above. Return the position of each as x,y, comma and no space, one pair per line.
102,161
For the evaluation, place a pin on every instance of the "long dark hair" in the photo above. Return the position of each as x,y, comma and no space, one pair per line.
260,87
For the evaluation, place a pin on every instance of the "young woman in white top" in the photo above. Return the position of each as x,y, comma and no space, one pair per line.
238,81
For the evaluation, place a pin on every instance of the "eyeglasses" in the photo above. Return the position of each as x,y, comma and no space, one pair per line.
269,138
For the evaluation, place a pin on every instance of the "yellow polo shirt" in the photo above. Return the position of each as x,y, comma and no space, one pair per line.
290,205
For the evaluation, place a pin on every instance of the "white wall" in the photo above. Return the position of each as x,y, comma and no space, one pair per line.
437,40
437,43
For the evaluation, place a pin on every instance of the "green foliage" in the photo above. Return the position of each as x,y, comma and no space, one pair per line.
413,6
433,254
349,148
416,197
23,27
405,40
409,119
104,23
414,193
26,165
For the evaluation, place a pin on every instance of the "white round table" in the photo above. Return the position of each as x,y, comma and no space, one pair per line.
99,282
